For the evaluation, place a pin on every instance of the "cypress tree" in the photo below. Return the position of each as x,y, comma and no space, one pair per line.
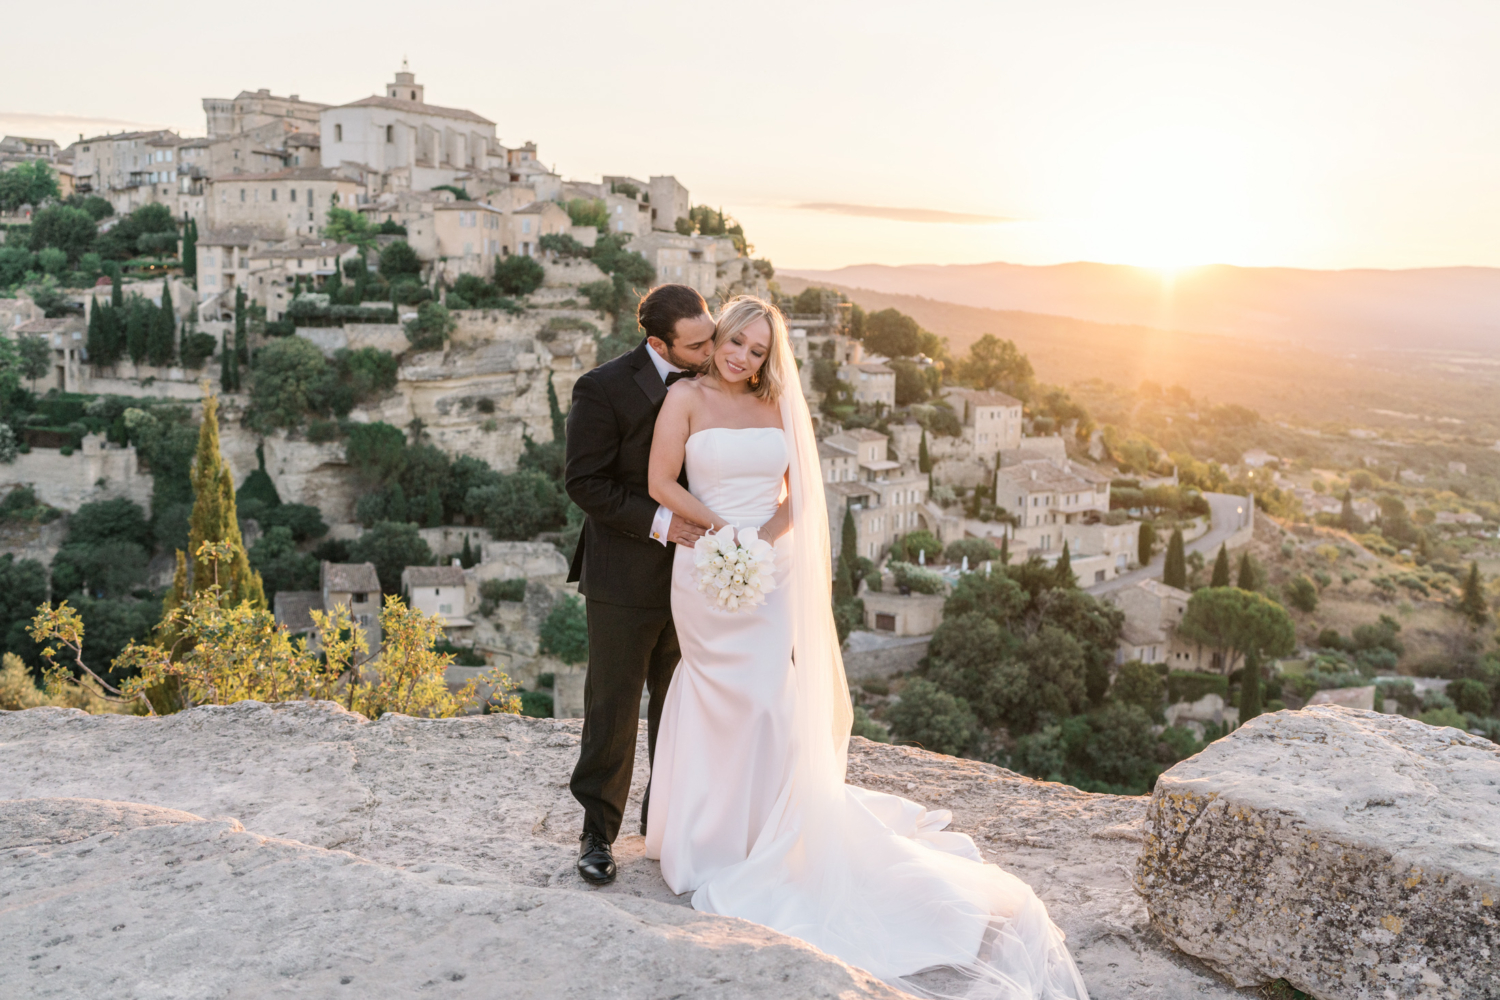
1472,605
849,539
333,287
190,250
1348,520
1063,572
162,337
1250,692
924,460
559,422
215,519
1174,573
433,515
1221,569
843,582
137,328
95,344
1146,544
116,286
1247,573
229,367
466,557
1005,550
241,338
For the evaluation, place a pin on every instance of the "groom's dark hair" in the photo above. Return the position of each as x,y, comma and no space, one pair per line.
664,305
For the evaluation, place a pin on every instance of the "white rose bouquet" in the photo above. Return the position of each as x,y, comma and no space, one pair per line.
735,575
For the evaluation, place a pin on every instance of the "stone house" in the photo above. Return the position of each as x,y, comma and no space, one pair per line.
129,169
1153,611
884,500
468,235
356,587
1057,503
902,615
991,420
406,142
224,264
440,592
528,224
669,202
351,585
65,335
275,269
253,109
871,381
627,216
292,202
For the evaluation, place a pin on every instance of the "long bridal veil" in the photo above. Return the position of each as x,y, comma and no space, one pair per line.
869,877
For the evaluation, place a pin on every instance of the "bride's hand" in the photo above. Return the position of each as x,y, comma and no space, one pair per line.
779,524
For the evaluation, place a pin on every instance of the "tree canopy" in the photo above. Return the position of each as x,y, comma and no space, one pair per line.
1238,623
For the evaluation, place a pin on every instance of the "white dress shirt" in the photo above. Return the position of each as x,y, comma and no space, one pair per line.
662,522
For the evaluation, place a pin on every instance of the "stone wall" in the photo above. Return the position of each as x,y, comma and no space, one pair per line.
97,471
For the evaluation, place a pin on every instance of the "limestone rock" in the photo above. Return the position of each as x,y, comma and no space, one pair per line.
174,905
406,851
1355,854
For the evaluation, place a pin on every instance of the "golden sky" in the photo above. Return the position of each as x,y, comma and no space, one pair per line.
1320,133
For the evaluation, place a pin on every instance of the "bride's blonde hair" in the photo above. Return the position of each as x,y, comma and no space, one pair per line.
737,314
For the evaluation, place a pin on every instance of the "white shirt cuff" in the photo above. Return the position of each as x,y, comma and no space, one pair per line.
660,524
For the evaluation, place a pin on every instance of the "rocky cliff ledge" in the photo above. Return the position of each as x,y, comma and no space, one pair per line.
295,848
1355,854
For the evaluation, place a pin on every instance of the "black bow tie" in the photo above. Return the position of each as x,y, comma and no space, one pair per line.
674,376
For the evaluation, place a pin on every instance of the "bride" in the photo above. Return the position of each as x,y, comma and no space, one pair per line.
748,809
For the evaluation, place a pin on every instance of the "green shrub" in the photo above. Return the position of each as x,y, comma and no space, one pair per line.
929,717
431,327
565,633
322,431
503,590
1189,685
536,704
518,275
915,578
1445,716
1470,695
979,550
197,347
868,727
1139,683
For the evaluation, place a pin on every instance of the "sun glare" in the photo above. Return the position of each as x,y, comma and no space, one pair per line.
1172,198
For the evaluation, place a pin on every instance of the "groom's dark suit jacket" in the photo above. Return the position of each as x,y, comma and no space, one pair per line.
609,446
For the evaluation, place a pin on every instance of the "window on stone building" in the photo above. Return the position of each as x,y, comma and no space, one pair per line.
273,194
885,623
338,133
390,133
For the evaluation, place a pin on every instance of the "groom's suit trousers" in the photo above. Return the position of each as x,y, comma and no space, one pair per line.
628,648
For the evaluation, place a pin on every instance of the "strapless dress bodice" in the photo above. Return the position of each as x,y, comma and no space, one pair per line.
738,471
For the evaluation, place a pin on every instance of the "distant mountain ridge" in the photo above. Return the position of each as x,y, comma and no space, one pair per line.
1450,308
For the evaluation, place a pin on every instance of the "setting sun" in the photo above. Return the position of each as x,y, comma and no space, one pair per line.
1171,197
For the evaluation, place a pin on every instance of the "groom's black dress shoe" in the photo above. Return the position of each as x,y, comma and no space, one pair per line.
596,862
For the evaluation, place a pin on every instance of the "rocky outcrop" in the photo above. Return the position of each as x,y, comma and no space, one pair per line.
1356,855
250,849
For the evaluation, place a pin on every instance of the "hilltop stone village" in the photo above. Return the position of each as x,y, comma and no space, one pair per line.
260,189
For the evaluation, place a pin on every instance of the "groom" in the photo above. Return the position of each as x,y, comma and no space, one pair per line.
623,563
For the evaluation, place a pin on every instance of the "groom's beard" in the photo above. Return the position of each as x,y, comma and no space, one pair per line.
696,367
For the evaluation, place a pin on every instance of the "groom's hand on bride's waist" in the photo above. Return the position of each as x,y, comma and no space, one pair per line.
684,532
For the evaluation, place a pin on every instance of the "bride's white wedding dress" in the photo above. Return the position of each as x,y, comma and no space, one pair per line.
749,810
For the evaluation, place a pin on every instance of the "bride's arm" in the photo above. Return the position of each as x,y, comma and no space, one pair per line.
780,521
668,449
